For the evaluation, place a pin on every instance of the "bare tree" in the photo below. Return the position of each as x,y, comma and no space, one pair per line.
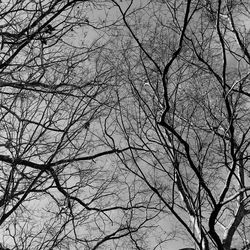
56,188
182,89
124,124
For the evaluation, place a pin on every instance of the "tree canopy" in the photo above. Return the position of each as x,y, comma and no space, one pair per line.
124,124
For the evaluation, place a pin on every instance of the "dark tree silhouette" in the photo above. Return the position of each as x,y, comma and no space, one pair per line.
124,124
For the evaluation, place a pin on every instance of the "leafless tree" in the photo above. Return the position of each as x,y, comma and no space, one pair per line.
124,124
182,86
56,188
